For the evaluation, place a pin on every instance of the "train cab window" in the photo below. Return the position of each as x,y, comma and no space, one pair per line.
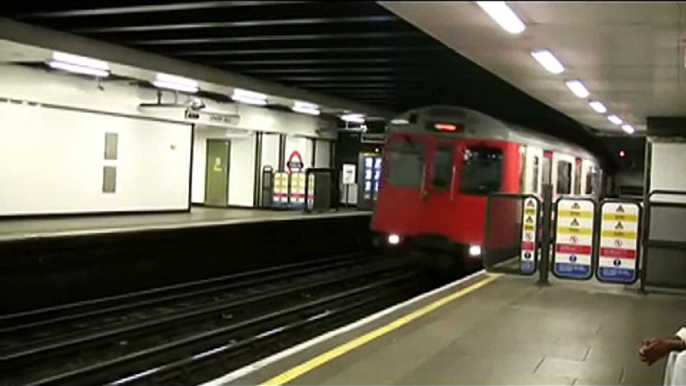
482,170
406,163
564,177
577,179
443,168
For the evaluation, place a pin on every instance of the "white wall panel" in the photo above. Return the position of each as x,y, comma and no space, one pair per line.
51,161
667,170
323,154
270,150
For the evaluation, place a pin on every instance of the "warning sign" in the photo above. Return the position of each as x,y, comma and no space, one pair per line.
618,254
572,255
527,261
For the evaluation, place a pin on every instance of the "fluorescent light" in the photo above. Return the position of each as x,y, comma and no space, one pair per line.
249,94
503,15
80,61
79,69
355,118
305,108
598,107
628,129
614,119
177,83
249,97
394,239
250,101
400,121
548,61
577,88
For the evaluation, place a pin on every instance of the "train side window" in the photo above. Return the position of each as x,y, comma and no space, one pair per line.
577,179
406,164
482,170
564,177
443,168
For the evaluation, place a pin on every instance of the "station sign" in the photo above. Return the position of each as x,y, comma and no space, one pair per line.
618,246
529,248
573,246
295,162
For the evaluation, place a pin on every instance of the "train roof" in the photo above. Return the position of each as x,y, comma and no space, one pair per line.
479,125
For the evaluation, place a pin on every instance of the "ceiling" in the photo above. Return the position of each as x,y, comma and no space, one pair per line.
354,50
630,55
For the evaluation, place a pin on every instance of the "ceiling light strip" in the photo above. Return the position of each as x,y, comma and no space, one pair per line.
503,15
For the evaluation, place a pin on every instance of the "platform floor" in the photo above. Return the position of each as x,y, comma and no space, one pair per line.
17,229
508,331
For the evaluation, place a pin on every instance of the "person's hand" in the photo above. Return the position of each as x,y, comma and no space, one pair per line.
655,349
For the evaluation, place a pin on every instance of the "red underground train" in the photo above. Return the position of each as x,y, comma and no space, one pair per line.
442,162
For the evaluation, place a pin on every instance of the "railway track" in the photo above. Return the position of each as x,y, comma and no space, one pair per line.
189,333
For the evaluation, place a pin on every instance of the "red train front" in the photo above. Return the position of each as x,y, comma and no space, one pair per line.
441,163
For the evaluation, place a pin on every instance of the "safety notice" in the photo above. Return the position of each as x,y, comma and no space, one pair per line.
574,238
529,220
618,254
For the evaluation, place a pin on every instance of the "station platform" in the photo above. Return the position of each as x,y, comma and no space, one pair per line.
54,261
20,229
488,329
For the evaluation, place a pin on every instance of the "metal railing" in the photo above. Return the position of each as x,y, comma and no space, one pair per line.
664,240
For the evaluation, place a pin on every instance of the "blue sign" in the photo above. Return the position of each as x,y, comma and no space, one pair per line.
573,270
527,266
621,275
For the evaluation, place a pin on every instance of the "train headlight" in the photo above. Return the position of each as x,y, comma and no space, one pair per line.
475,250
393,239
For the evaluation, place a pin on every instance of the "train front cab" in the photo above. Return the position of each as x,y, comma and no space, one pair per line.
434,191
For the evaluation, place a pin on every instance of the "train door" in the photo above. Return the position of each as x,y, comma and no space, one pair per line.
547,169
438,189
532,170
578,171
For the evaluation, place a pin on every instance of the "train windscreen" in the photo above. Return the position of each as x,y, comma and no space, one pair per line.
406,163
482,170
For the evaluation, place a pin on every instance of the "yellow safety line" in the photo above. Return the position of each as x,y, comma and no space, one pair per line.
332,354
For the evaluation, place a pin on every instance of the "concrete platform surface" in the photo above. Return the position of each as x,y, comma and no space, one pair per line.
17,229
508,332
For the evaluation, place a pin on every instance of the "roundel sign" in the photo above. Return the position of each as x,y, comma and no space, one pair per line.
295,162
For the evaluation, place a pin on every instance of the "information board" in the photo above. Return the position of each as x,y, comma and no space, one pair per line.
573,250
618,246
527,261
349,171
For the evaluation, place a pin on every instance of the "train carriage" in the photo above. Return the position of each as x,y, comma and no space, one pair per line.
442,162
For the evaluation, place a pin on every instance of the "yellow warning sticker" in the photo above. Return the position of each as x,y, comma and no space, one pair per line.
620,234
529,228
575,213
620,217
530,212
574,231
